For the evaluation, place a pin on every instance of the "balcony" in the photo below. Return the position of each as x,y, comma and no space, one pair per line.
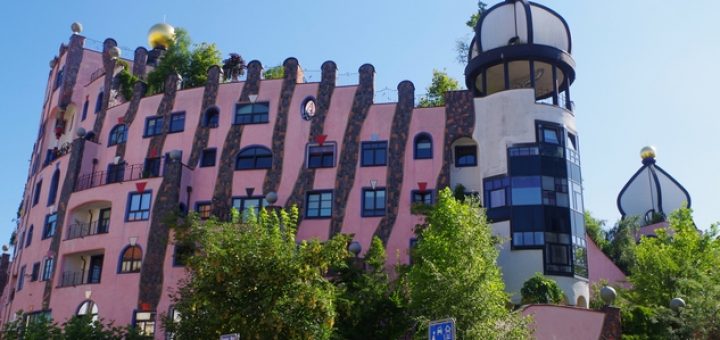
89,219
80,230
117,174
81,269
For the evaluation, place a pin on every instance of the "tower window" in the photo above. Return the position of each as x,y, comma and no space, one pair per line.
423,146
254,157
374,153
177,122
373,202
465,156
255,113
549,133
153,126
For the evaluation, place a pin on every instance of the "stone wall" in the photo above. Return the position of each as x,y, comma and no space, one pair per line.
202,133
460,122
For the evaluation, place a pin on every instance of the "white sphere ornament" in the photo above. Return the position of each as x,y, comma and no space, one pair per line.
271,197
76,27
355,248
677,303
114,52
608,294
80,132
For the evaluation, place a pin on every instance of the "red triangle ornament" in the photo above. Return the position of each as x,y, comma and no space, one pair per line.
140,186
320,139
422,186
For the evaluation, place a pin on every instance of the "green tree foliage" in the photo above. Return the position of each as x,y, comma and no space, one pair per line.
462,45
127,80
681,262
440,84
540,289
594,228
455,274
76,328
623,243
190,64
369,305
252,278
275,72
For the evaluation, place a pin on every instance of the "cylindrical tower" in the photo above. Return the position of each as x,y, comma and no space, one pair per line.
520,71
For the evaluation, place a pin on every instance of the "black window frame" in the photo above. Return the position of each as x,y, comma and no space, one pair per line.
98,101
152,166
156,128
369,153
118,135
181,253
374,211
255,116
421,197
144,214
49,227
259,161
462,151
35,273
211,118
242,207
425,153
557,129
115,173
208,157
320,156
54,184
47,270
177,122
317,213
37,192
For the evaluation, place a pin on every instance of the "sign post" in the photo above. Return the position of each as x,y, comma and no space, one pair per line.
442,330
234,336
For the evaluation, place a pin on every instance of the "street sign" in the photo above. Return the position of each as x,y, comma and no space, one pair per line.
234,336
442,330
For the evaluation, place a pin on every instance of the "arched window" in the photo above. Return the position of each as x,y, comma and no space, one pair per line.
423,146
254,157
88,308
131,260
118,135
98,103
29,236
53,187
212,117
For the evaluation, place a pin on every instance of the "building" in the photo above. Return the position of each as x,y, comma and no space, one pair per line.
106,170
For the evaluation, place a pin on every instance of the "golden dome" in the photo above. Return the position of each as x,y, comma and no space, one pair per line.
647,152
161,36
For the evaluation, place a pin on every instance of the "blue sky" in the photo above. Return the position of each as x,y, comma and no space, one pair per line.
646,72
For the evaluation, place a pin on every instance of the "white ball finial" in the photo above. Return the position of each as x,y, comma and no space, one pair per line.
647,152
608,294
114,52
76,27
676,304
271,197
355,248
80,132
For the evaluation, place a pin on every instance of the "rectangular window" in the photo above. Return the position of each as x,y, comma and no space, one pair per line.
35,272
549,133
526,190
145,323
48,269
177,122
422,197
255,113
204,210
59,78
319,204
116,173
496,192
208,157
152,167
50,225
21,279
154,126
373,202
36,193
85,110
465,156
321,156
139,206
374,153
558,258
555,191
245,204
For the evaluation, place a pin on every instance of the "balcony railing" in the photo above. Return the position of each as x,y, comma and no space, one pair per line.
117,174
79,230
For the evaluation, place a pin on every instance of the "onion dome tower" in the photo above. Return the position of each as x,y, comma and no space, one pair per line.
520,44
651,193
519,72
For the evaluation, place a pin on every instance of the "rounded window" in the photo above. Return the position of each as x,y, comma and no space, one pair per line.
308,108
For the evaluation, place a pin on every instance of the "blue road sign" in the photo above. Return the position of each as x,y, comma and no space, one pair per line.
442,330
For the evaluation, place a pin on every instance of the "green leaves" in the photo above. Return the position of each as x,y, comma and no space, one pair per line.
539,289
440,84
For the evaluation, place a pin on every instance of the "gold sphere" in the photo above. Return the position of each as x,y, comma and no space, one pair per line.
161,36
647,152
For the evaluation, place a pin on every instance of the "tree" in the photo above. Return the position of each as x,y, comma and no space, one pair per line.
369,305
76,328
455,274
540,289
191,65
594,228
252,278
622,244
440,84
681,262
462,45
275,72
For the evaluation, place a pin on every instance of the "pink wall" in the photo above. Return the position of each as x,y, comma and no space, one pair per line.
554,322
600,267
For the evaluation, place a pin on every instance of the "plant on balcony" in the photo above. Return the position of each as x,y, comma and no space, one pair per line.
275,72
441,83
127,80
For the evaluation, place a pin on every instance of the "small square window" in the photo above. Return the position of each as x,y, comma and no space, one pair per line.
255,113
550,133
374,153
321,156
204,210
139,206
319,204
145,323
465,156
422,197
177,122
208,157
154,126
373,202
152,167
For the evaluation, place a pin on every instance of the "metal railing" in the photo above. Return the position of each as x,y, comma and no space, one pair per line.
117,174
79,230
72,279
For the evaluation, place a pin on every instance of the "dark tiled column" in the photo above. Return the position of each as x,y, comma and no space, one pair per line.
138,93
140,61
72,67
351,146
396,157
202,133
223,184
611,329
109,65
459,122
73,170
306,177
164,109
273,176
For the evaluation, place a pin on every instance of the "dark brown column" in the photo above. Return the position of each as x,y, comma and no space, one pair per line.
202,133
459,122
109,65
72,67
140,61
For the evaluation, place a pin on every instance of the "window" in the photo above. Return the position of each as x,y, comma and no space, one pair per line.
118,135
319,204
59,78
28,240
152,167
35,272
204,210
254,157
54,182
21,279
177,122
174,318
526,190
321,156
131,260
211,118
22,237
572,142
145,323
36,194
88,308
48,269
558,258
465,155
244,204
308,108
208,157
550,133
182,253
255,113
99,102
85,110
50,225
139,206
153,126
373,202
422,197
423,146
496,192
374,153
116,172
555,191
